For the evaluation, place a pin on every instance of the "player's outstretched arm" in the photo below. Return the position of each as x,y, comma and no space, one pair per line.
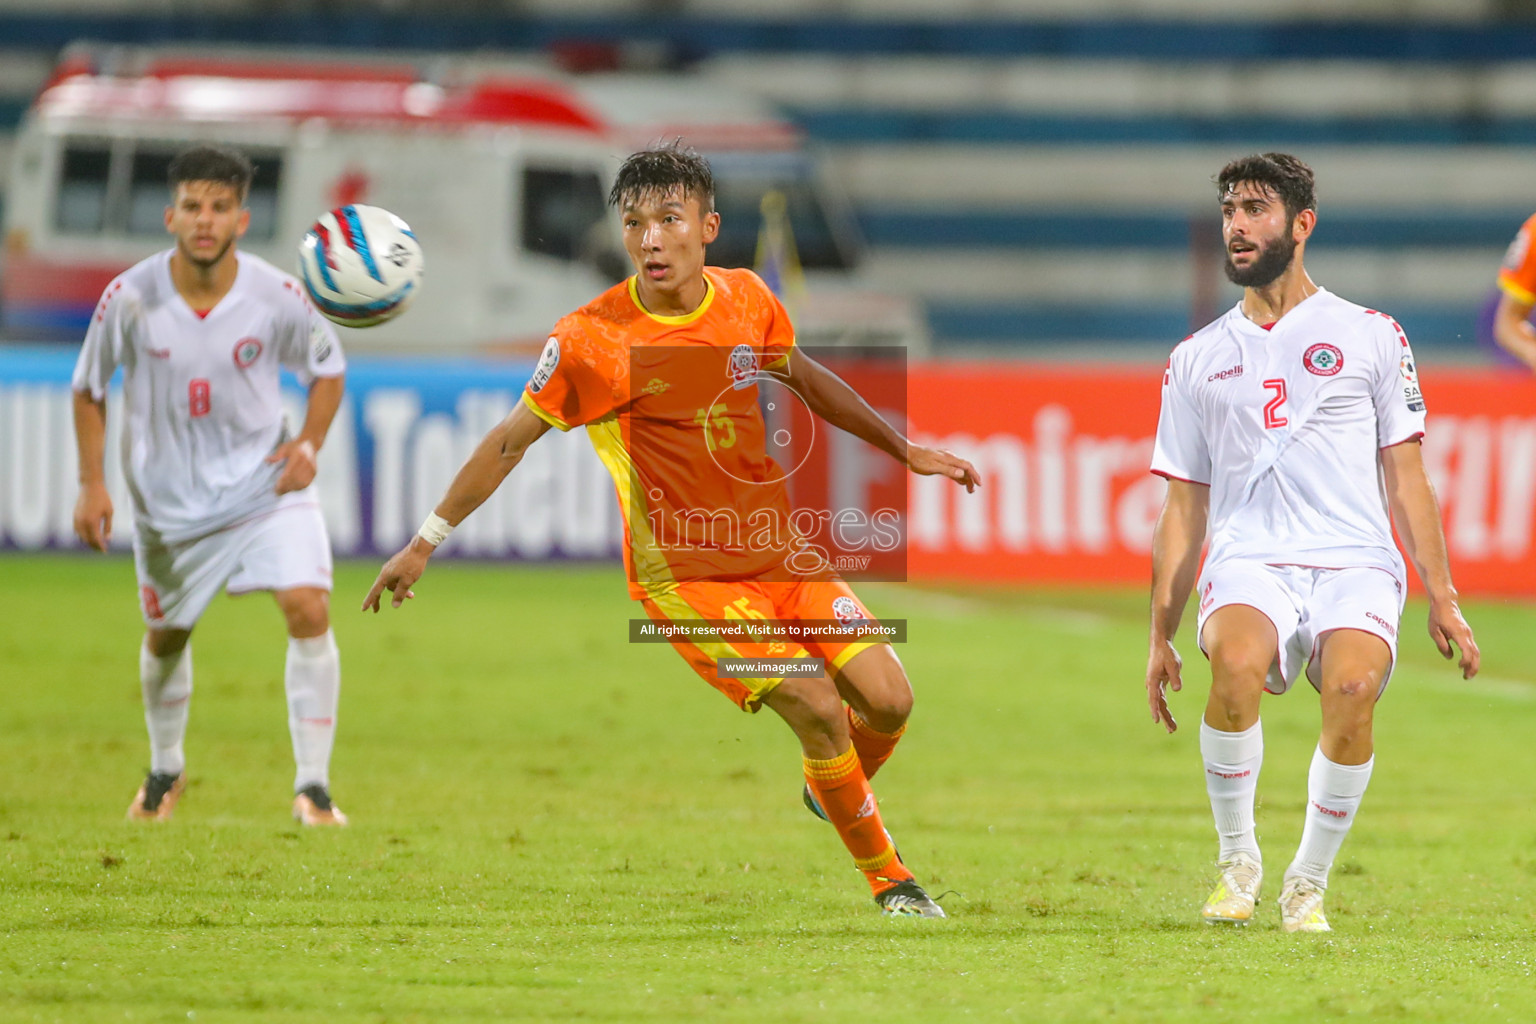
498,452
829,396
1416,514
1176,545
1512,329
93,508
299,455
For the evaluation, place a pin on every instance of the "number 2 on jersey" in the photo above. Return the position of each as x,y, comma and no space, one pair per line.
199,398
1272,417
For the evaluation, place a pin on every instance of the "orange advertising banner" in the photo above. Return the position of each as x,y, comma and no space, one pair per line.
1068,498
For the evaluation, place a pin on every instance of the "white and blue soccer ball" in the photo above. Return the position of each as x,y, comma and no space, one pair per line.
360,265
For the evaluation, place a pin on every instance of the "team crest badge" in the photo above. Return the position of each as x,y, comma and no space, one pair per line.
247,351
742,367
548,360
846,610
1323,359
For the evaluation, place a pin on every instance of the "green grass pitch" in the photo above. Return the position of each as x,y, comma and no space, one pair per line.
550,824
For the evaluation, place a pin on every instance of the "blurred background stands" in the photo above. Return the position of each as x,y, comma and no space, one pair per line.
1037,174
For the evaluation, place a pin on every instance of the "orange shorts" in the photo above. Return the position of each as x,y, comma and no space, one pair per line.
813,600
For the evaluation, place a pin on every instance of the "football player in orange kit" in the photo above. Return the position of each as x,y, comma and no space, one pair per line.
663,371
1517,286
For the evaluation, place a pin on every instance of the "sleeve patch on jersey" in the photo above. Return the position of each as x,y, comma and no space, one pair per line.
1412,396
1514,256
320,342
548,360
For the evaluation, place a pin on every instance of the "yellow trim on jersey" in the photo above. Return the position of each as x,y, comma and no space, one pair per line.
547,417
651,568
783,359
846,654
686,318
1516,292
758,687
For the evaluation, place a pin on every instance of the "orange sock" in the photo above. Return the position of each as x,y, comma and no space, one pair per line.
874,747
844,793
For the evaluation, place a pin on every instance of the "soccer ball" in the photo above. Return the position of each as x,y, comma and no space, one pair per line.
360,265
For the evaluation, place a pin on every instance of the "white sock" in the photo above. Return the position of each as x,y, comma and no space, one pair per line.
1232,761
1333,797
313,683
167,687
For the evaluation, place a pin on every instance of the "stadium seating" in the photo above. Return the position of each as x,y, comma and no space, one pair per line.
1039,174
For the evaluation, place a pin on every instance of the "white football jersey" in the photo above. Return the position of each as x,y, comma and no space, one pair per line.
202,397
1286,426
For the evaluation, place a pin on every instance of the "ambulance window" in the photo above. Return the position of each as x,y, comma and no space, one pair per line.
563,213
149,192
82,201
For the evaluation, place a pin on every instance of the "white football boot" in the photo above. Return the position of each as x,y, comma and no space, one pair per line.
1301,906
1231,902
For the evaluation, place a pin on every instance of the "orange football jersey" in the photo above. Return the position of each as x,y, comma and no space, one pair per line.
672,406
1517,277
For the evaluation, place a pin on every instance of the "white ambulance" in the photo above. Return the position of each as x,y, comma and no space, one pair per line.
503,178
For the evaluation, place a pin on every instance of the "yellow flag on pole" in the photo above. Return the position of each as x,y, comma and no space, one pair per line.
778,264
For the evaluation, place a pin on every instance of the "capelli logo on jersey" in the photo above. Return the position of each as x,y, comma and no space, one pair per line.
655,386
1323,359
1383,623
1227,374
247,351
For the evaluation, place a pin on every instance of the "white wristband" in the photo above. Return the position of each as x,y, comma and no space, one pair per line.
435,530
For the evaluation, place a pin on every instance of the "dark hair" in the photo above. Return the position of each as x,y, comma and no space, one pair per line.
1279,174
212,163
660,171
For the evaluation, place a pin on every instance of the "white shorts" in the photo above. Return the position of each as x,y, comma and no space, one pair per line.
279,550
1304,603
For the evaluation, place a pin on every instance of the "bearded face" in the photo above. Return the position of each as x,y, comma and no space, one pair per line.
1256,262
1259,234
